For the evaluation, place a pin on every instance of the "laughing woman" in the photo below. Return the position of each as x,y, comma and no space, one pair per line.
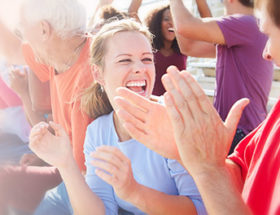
121,172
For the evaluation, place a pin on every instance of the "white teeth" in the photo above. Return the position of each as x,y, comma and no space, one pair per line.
136,84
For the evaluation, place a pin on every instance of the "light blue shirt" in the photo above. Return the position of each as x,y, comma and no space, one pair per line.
149,169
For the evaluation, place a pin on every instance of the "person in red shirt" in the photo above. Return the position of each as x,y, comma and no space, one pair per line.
248,182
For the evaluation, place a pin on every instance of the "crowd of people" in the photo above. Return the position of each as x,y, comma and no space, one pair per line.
118,126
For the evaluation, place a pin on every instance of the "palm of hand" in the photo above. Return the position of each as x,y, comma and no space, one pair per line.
160,135
54,149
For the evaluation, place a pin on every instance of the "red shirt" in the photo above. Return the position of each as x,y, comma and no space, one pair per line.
258,155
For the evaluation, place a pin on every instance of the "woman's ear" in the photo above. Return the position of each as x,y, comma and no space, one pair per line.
98,74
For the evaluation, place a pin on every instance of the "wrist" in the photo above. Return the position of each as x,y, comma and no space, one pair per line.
134,194
210,173
67,166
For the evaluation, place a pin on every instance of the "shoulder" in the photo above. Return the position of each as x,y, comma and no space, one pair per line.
100,124
238,20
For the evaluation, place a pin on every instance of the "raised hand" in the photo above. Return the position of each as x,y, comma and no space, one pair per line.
18,80
55,149
203,139
114,167
147,122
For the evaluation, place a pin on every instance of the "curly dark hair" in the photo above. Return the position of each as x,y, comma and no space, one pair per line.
153,22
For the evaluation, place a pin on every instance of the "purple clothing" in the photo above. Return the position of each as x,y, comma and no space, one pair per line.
162,63
241,71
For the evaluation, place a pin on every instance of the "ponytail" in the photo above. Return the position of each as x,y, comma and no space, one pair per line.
95,101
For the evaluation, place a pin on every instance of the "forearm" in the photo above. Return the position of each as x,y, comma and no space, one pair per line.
182,17
203,8
33,117
82,199
152,201
194,28
220,192
195,48
133,9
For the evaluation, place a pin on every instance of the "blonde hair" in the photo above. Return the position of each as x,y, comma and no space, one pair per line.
95,101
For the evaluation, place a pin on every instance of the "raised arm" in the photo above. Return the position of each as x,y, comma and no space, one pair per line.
195,48
10,46
133,9
203,8
39,93
99,5
19,83
196,37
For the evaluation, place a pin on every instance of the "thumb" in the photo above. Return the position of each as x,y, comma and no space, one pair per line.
58,129
235,113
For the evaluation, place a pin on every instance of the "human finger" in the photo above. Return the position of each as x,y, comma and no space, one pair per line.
183,88
58,129
134,98
130,108
114,151
126,117
198,93
235,114
106,157
177,99
173,113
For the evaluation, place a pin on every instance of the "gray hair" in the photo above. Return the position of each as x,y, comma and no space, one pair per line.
67,17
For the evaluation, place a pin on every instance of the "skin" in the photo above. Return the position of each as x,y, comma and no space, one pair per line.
123,64
168,36
199,131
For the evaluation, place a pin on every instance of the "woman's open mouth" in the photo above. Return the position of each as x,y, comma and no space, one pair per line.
138,86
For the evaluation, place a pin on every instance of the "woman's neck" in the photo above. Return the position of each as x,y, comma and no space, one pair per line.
167,50
121,131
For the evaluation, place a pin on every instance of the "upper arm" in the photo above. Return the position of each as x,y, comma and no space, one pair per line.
206,30
196,48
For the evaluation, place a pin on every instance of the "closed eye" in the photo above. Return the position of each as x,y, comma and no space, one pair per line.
147,59
124,61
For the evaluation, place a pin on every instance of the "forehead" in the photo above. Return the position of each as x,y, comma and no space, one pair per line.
128,42
166,12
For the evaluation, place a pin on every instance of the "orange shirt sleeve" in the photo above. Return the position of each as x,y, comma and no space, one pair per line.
41,70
